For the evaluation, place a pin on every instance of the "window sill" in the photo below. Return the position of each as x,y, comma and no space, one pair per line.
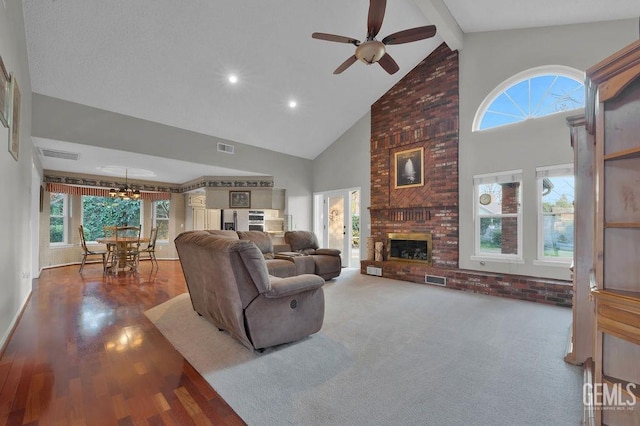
59,245
553,263
515,260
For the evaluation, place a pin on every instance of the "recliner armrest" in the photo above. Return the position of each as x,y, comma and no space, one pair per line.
328,251
293,285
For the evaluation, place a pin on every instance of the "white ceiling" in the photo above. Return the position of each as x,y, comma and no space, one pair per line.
168,61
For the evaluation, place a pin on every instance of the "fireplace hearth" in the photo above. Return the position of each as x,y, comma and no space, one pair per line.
409,247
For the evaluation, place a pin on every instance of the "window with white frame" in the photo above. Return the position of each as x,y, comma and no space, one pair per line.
98,212
498,215
555,212
58,218
533,93
161,219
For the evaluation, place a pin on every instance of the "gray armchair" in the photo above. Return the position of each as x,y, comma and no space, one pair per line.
328,262
229,285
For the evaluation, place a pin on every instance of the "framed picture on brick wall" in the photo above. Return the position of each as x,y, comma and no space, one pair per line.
409,168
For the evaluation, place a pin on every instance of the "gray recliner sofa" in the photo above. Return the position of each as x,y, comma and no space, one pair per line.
327,261
230,286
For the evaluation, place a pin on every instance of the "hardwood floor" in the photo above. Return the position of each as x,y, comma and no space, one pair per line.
84,353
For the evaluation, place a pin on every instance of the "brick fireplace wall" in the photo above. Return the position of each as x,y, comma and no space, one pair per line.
421,111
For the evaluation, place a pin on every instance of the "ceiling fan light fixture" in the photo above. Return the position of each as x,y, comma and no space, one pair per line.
370,51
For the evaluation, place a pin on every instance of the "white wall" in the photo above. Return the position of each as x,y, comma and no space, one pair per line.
15,214
71,122
487,60
346,164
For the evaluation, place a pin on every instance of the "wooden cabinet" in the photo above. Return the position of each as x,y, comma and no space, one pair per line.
197,200
583,158
613,117
205,218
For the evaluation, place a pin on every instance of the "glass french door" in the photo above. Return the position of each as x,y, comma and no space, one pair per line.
340,214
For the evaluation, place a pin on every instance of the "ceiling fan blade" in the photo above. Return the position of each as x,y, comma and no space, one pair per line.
376,15
413,34
346,64
388,64
336,38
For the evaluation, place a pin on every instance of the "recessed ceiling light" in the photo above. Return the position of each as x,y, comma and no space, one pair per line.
233,79
292,104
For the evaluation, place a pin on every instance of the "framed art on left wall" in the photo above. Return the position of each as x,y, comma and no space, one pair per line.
14,118
5,100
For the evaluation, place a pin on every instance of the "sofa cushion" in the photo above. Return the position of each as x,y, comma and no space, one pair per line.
261,239
281,268
223,233
302,241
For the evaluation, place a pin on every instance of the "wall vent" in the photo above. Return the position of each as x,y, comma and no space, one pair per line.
226,148
59,154
372,270
432,279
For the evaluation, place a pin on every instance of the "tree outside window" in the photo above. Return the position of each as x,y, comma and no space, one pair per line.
58,217
556,186
161,218
98,212
498,215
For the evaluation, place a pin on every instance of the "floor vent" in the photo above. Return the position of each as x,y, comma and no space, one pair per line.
227,149
59,154
372,270
432,279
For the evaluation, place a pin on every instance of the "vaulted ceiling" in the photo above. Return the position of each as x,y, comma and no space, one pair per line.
168,62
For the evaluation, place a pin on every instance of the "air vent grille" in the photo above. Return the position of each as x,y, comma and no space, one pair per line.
432,279
59,154
227,149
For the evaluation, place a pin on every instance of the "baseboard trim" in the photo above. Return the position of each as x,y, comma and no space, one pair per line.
96,261
12,327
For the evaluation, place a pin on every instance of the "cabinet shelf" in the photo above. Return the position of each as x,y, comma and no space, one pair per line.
618,313
622,225
621,155
623,384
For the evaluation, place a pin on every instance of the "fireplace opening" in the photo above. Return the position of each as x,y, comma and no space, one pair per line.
411,247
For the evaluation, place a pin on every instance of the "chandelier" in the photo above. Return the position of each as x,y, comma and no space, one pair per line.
125,192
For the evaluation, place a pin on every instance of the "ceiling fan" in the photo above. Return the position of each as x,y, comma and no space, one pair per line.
371,50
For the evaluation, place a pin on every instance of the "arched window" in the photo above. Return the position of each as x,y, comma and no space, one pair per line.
532,93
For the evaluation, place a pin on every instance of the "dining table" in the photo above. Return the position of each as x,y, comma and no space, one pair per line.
121,245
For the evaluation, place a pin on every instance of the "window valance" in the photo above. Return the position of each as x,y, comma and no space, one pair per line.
102,192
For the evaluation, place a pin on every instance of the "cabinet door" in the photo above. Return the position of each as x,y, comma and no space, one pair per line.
199,219
213,218
197,200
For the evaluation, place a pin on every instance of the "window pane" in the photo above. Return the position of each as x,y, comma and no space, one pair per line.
499,198
56,204
162,209
532,98
498,208
56,229
56,217
98,212
163,229
499,235
161,218
557,208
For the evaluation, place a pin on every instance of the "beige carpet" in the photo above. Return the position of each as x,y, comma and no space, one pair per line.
393,352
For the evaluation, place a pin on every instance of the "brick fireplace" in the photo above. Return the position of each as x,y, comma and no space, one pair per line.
421,112
410,247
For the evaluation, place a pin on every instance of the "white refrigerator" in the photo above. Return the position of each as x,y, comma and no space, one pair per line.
236,220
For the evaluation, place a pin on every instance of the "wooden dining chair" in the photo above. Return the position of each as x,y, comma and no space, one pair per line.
127,248
86,252
150,249
109,232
